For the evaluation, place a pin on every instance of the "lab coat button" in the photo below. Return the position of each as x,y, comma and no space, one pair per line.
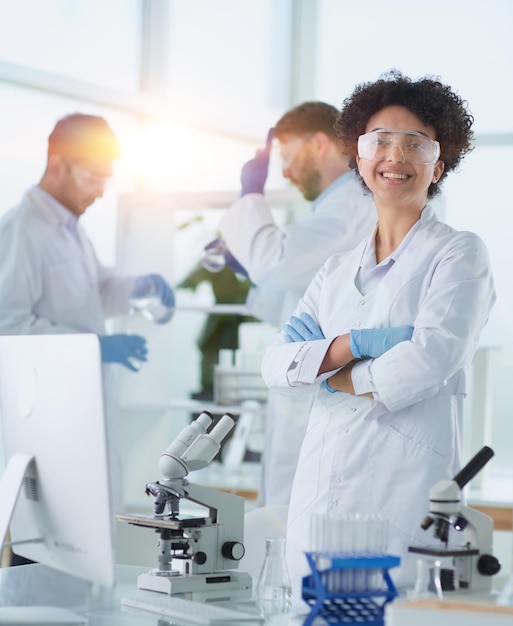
346,430
362,302
357,324
353,409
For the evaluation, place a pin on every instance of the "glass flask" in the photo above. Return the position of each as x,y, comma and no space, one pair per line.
273,587
152,308
214,260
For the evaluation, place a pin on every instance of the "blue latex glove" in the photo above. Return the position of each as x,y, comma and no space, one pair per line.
122,349
154,285
374,342
254,172
304,329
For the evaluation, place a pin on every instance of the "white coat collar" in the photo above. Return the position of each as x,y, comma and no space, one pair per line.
63,215
368,257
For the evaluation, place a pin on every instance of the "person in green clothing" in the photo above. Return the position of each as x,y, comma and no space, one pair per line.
220,331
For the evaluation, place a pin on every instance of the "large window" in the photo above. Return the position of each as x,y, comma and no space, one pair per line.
88,40
466,42
229,62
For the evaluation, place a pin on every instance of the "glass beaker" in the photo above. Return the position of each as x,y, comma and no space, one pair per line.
273,587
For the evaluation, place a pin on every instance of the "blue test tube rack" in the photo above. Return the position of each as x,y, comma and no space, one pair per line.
336,602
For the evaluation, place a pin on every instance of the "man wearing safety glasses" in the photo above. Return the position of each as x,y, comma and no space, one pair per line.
50,278
51,281
281,261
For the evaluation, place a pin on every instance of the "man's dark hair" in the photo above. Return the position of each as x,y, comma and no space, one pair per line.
309,117
79,136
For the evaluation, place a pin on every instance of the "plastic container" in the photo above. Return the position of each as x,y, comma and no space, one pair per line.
237,377
331,596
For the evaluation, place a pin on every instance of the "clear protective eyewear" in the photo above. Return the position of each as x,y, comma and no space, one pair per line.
415,147
86,179
289,149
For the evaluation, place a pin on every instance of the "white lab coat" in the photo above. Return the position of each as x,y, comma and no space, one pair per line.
382,455
50,283
282,262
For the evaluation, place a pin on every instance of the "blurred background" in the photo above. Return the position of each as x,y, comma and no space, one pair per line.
191,87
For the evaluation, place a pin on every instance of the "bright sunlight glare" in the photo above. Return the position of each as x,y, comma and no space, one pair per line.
167,157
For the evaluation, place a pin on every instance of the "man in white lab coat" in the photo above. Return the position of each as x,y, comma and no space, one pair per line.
50,279
282,261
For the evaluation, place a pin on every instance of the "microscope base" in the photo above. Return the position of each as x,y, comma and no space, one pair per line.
227,579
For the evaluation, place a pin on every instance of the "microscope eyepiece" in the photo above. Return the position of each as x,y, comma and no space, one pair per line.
476,463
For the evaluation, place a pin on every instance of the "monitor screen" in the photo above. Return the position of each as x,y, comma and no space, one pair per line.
55,449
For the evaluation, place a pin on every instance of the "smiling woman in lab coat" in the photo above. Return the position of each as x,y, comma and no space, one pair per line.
384,429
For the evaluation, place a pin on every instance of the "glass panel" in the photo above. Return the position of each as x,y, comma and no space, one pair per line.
476,202
90,40
229,61
466,42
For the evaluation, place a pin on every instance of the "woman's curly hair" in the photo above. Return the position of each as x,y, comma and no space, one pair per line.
432,102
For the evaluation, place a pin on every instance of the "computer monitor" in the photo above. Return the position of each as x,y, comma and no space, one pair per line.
54,491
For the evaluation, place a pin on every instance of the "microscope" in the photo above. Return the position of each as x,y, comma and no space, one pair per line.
473,564
194,553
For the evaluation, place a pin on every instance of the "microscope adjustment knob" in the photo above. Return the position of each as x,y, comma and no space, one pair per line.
488,565
233,550
200,558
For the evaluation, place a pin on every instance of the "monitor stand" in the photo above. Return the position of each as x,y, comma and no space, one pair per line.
10,486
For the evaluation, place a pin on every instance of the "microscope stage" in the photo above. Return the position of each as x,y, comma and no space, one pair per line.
448,551
153,521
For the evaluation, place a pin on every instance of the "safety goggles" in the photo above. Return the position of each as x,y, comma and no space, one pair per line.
288,150
415,147
86,179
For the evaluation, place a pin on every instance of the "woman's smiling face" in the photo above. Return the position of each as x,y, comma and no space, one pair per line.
393,180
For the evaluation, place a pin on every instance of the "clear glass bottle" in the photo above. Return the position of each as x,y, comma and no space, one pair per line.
274,590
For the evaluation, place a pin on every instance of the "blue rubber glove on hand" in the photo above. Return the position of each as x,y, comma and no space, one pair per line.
304,329
254,173
123,349
374,342
154,285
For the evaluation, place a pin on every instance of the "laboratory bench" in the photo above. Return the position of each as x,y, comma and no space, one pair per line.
38,585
